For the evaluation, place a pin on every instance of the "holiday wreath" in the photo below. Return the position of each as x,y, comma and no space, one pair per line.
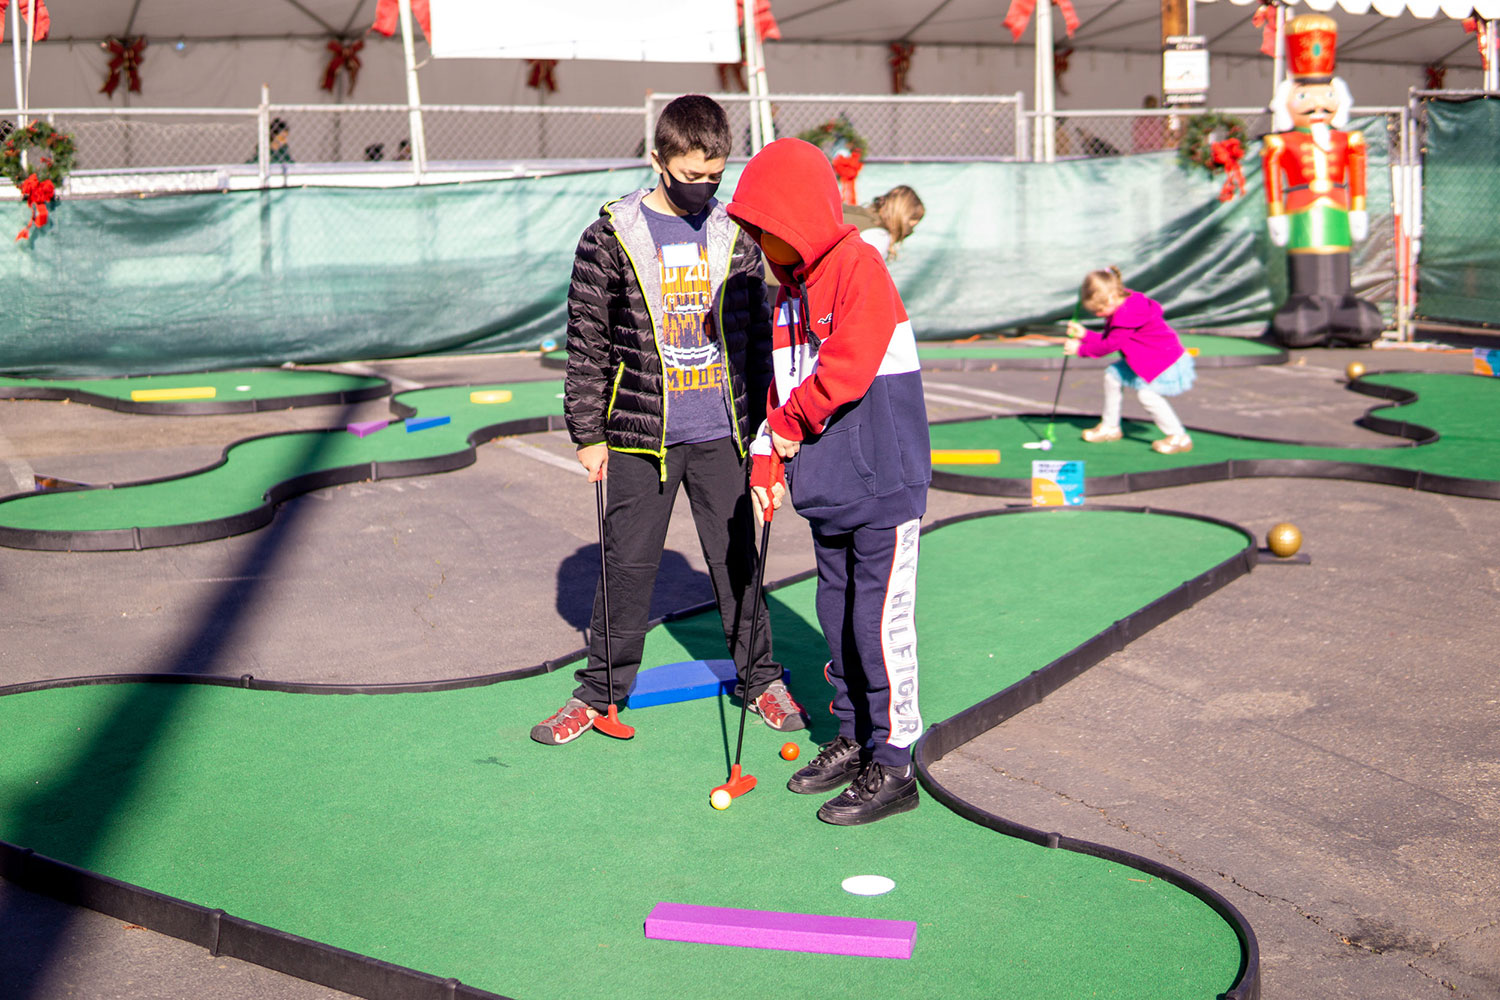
51,160
1196,145
848,161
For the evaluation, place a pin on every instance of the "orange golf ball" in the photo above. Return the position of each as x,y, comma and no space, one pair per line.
790,751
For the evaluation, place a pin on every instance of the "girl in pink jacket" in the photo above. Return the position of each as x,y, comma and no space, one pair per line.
1155,363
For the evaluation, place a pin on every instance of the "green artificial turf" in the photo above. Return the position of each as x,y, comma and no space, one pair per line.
1463,409
429,831
258,383
1208,345
253,467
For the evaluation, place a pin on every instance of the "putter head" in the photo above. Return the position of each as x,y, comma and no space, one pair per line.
610,725
738,783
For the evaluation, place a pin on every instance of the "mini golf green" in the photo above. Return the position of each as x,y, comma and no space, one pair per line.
1464,459
240,492
243,391
1213,351
428,831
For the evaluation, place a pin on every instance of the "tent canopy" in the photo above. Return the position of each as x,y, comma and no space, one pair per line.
1408,32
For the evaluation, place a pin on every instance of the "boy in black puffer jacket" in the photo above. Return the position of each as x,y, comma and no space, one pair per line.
663,389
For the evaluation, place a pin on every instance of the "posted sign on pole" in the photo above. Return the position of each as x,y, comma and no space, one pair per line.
1184,70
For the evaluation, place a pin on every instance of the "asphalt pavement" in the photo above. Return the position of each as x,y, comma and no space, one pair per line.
1316,742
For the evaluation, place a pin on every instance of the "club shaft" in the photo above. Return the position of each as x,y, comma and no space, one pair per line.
760,578
609,655
1062,375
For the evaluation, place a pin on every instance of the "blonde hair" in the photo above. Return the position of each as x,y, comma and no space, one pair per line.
899,210
1102,287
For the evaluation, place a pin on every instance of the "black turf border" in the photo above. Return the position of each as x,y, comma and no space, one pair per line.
1413,435
203,407
122,539
360,975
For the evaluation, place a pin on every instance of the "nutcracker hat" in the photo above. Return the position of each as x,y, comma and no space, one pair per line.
1310,43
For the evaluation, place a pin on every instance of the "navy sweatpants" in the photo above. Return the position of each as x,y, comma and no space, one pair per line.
867,596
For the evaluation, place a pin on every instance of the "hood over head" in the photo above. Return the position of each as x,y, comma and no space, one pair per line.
788,190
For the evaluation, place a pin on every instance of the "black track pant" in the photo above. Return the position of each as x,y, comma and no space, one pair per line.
635,527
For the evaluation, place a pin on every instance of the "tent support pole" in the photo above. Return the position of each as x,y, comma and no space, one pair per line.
752,78
15,49
1045,86
413,96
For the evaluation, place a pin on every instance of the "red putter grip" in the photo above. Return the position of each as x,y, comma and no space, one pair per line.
766,471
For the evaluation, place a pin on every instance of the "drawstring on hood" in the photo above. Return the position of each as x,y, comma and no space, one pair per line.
788,190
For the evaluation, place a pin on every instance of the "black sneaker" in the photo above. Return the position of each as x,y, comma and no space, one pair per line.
835,764
877,792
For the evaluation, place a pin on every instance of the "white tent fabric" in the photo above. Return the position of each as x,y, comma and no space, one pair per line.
1393,8
218,54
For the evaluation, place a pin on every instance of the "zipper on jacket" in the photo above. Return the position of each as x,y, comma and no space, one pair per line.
734,419
661,455
614,391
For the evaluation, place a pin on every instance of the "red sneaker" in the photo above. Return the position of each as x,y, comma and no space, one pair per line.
778,709
566,724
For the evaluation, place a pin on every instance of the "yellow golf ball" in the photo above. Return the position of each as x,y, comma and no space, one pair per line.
720,799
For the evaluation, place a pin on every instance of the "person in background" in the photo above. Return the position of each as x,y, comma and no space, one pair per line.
887,220
1155,364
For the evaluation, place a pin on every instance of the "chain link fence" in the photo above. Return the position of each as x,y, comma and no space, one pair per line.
905,127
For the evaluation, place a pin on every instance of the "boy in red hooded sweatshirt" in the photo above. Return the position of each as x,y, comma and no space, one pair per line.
847,416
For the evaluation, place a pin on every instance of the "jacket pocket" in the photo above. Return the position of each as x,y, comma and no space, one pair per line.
832,471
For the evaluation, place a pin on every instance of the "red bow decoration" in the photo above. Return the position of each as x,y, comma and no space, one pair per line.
1265,19
766,28
125,57
1437,75
388,17
1060,59
1019,16
1227,156
732,76
43,19
900,63
846,166
342,56
543,75
1472,26
36,194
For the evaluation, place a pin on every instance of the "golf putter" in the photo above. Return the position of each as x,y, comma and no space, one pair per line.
609,724
739,783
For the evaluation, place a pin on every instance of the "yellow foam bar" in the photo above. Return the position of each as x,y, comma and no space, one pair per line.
966,456
490,396
165,395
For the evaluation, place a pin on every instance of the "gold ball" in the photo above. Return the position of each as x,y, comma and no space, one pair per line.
1355,370
1284,540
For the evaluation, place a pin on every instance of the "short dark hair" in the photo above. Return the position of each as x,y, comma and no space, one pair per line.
692,122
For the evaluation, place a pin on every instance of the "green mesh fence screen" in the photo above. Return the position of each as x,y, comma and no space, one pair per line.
205,281
1458,277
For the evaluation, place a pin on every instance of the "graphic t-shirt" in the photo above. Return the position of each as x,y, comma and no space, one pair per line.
692,354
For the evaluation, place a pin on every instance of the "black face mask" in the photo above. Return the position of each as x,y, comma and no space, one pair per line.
691,198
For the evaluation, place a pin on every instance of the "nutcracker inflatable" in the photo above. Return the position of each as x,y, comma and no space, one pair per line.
1315,194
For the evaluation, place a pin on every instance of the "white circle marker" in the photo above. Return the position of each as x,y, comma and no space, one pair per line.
868,885
242,388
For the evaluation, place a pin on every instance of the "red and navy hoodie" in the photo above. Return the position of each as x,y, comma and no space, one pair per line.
847,383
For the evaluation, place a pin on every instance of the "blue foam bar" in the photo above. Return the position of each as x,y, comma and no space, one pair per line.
422,424
683,682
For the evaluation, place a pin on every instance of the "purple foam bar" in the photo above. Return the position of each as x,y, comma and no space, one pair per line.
363,427
826,935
